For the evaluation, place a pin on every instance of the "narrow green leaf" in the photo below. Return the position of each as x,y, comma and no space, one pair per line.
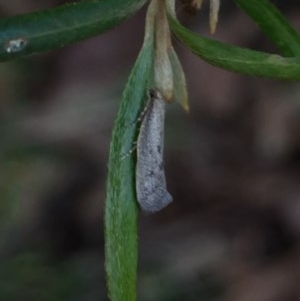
238,59
179,83
121,205
53,28
274,25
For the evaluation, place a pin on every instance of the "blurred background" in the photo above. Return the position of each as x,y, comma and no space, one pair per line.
232,165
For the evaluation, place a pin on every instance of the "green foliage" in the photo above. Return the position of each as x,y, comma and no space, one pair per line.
50,29
63,25
28,277
241,60
121,208
274,25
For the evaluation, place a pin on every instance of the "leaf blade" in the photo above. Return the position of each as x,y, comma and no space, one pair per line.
57,27
273,24
121,205
238,59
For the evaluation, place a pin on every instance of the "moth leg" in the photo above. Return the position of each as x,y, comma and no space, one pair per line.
139,120
127,154
142,113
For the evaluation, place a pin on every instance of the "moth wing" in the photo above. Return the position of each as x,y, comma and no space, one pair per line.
151,188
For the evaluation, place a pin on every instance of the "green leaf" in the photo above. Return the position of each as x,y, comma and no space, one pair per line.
121,205
238,59
53,28
274,25
179,82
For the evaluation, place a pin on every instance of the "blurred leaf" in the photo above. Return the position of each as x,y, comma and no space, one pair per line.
121,205
238,59
28,277
274,25
54,28
9,188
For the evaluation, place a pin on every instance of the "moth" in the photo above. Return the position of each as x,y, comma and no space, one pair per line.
152,194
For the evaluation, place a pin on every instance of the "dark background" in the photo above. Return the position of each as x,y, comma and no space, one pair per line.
232,165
